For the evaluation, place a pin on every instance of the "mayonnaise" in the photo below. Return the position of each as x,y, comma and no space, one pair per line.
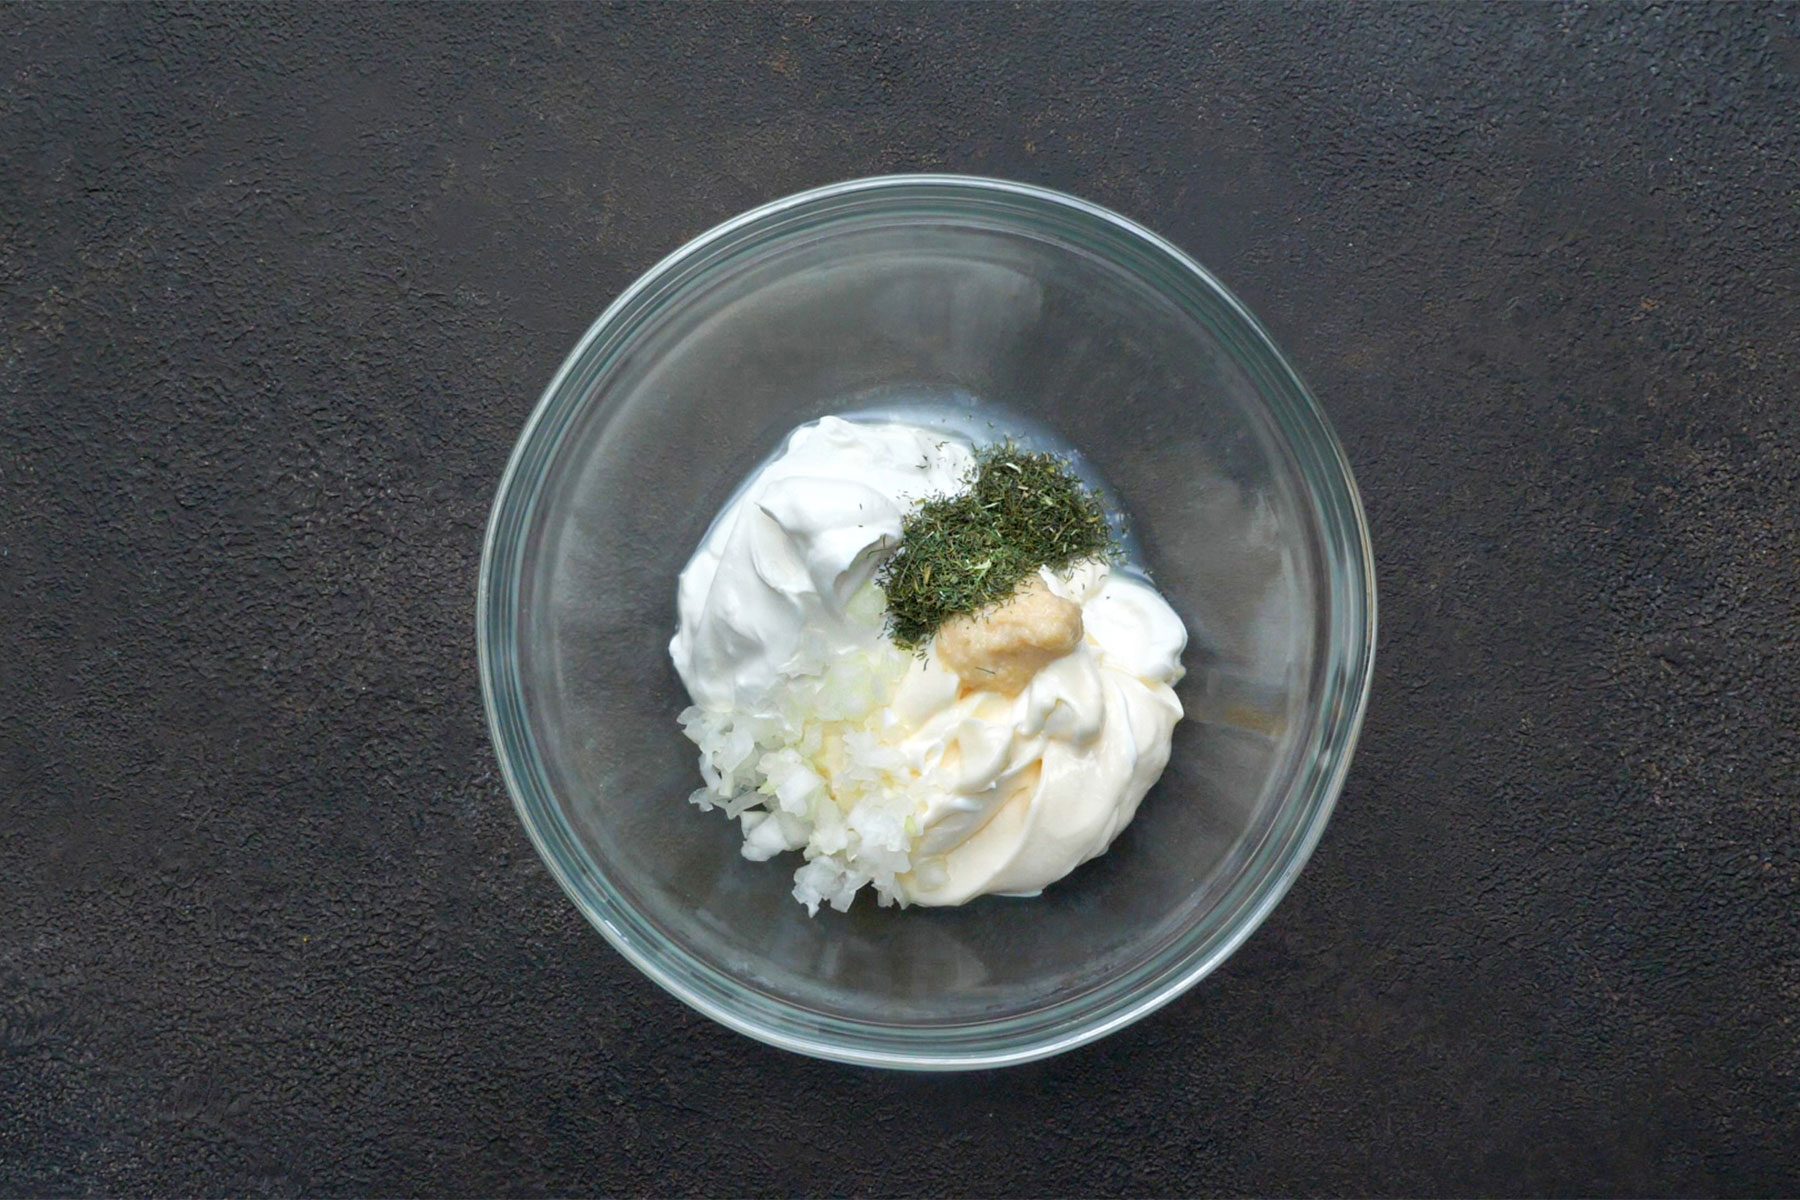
882,767
1019,791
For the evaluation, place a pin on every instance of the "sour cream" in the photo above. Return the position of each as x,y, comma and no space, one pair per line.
884,768
767,595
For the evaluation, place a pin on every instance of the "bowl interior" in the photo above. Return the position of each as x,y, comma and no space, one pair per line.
1016,309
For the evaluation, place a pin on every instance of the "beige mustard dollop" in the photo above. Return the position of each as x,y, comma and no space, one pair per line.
1001,649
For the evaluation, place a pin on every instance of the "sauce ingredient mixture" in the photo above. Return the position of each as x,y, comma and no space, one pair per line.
915,663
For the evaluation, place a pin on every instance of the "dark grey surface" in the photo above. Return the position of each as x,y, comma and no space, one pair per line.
279,289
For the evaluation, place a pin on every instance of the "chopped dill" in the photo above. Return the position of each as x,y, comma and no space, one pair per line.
959,554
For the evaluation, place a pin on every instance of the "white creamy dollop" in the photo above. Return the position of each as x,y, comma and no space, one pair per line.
881,766
767,595
1021,790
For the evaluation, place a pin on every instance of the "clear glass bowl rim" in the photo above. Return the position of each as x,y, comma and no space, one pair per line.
1276,861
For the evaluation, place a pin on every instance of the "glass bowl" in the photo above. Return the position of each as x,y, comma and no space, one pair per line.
1033,309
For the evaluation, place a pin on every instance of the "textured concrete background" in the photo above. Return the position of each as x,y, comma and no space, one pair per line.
278,289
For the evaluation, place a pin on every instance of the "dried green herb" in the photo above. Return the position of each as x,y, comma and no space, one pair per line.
960,554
